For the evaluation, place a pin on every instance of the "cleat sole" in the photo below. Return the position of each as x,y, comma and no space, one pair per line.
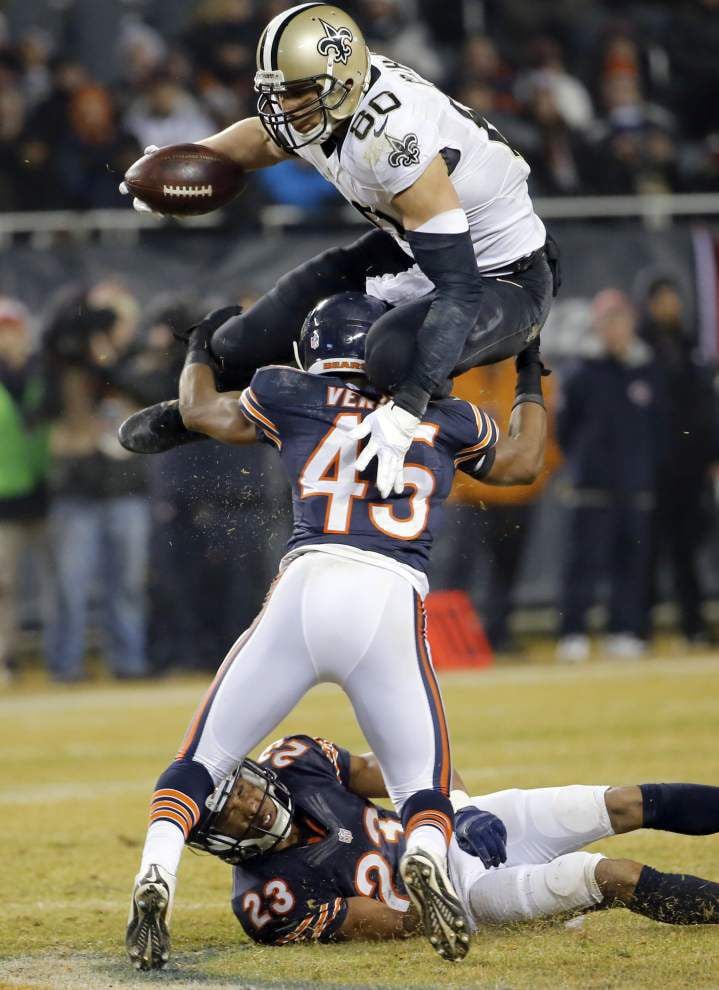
438,906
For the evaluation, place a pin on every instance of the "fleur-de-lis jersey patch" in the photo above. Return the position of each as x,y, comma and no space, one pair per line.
405,151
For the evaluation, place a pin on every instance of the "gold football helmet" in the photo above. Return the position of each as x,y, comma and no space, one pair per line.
314,45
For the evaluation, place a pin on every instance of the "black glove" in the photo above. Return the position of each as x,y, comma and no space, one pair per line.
199,336
202,331
482,834
530,371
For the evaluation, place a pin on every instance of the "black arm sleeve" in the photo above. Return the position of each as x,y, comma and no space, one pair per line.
447,259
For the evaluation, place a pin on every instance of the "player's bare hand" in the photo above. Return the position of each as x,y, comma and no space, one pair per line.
137,204
391,431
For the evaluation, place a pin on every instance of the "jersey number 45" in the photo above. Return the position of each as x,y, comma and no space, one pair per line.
330,473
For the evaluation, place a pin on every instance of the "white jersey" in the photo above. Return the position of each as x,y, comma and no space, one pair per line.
402,123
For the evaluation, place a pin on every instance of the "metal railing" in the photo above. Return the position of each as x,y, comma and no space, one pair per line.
654,211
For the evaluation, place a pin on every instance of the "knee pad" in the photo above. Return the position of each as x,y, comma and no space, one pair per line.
576,814
568,883
581,809
522,893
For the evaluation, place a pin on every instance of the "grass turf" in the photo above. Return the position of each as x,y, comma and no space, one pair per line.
80,764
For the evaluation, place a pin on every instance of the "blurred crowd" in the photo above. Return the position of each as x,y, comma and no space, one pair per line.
600,96
167,558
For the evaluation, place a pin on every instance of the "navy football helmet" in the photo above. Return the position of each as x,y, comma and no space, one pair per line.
208,835
333,336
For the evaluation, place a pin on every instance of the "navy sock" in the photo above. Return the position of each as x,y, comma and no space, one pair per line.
690,809
428,807
676,898
180,795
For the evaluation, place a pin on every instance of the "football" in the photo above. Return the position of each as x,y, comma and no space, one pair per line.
185,180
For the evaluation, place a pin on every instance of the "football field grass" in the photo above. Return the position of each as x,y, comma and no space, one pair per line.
79,765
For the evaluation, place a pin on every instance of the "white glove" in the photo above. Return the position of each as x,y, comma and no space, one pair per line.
392,431
138,204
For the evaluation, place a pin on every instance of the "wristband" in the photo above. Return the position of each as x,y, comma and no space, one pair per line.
459,798
198,354
529,378
523,397
412,398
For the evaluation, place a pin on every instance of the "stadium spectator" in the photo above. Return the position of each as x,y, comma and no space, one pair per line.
560,157
684,508
611,426
692,41
93,152
391,29
481,64
221,41
167,114
179,69
99,517
142,52
35,50
25,405
13,110
548,73
46,127
488,526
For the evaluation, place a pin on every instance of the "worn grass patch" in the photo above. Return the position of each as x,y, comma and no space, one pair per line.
82,764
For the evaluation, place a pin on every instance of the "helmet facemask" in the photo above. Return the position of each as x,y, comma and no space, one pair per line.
271,87
256,840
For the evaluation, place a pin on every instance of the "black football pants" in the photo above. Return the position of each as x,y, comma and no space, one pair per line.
512,310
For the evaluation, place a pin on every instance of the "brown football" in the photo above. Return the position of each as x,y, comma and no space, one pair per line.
185,180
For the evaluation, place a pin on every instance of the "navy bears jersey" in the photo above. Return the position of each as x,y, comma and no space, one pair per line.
348,847
309,417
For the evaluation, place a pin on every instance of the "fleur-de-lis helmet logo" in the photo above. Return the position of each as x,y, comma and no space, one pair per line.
337,41
404,151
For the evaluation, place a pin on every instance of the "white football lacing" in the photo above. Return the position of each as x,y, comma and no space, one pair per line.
187,190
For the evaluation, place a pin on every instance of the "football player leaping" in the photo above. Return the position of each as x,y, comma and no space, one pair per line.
460,254
346,607
315,859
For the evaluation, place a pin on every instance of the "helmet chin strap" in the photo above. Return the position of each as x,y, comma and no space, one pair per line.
296,352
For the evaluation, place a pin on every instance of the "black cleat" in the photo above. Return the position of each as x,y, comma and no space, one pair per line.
155,429
438,906
147,939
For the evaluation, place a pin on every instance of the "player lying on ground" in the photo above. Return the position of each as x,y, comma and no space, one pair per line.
347,606
460,254
331,872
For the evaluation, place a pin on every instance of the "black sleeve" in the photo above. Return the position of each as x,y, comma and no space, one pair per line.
449,261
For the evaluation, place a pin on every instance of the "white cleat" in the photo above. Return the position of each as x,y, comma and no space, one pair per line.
431,892
147,939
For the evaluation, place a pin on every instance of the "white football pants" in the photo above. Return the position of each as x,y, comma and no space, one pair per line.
545,872
329,618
